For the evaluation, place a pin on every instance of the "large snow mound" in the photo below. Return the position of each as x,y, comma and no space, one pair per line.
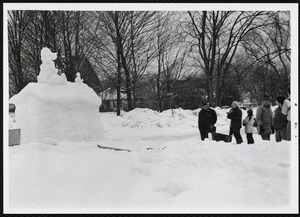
145,118
62,112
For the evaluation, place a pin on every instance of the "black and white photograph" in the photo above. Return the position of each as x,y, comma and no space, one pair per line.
150,108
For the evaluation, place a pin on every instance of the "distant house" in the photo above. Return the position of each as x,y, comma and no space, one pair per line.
109,100
187,93
248,101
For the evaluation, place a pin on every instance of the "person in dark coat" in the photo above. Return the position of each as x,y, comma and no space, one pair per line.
206,119
235,115
279,121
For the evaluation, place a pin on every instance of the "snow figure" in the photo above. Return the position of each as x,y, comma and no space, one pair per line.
57,110
78,78
48,72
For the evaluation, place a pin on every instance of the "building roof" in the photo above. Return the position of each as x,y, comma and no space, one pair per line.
110,94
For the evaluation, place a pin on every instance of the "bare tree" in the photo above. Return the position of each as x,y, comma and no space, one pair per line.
43,33
216,36
170,53
140,46
110,57
71,34
18,22
270,47
128,43
107,53
174,69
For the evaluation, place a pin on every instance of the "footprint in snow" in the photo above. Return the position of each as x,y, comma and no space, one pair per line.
141,171
262,172
284,164
173,189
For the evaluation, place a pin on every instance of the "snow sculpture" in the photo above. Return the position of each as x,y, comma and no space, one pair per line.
48,72
78,78
57,110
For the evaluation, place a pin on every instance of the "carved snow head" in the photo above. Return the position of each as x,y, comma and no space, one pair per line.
47,55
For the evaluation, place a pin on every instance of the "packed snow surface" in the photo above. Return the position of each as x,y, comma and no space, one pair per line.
168,169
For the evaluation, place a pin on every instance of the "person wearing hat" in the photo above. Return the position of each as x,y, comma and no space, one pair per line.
279,121
235,115
264,118
206,120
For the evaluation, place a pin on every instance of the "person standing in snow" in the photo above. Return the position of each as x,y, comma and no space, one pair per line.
279,121
235,115
248,123
286,110
206,119
264,118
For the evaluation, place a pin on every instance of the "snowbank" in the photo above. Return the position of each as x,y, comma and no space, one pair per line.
143,118
147,118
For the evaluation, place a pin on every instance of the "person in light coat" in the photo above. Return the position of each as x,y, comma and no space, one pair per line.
286,110
248,123
264,118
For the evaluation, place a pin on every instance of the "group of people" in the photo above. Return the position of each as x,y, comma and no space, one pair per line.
266,121
278,122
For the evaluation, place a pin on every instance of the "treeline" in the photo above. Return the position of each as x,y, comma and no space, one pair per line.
159,59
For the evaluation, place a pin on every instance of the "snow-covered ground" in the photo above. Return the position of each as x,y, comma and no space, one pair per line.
168,170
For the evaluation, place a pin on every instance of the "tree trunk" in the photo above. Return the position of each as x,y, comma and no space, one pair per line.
119,83
210,91
158,87
133,60
124,64
76,55
127,80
